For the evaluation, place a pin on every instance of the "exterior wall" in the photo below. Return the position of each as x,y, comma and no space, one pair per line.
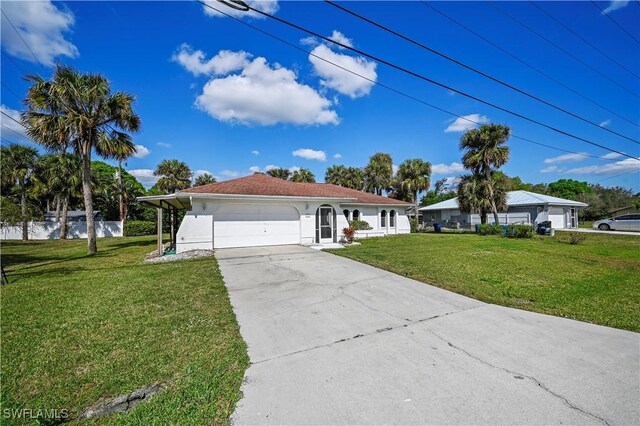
50,230
557,217
198,226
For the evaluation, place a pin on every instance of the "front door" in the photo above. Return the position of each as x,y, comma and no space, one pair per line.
326,225
574,219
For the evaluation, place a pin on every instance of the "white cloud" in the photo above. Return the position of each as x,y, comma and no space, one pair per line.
230,173
341,38
309,41
10,126
42,26
566,158
224,62
267,6
611,155
615,5
164,144
141,151
337,155
605,123
394,169
259,93
255,152
445,169
339,79
258,169
255,169
622,166
144,176
551,169
310,154
466,122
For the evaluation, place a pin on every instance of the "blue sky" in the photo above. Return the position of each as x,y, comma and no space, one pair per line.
229,100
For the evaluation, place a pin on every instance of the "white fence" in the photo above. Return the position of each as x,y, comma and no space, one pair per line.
51,230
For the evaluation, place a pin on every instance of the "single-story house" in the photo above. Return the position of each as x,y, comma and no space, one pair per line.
522,207
260,210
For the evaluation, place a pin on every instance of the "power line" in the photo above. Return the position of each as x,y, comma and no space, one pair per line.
11,130
557,46
20,35
10,117
538,70
422,77
477,71
294,46
615,22
10,91
615,176
566,27
14,62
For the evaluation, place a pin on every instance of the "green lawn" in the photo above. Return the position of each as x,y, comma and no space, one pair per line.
76,328
597,280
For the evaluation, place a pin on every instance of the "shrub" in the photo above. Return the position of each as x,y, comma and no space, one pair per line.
134,228
414,228
349,233
576,238
487,229
519,231
360,225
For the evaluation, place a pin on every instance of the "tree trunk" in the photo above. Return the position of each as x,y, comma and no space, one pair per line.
123,213
88,201
483,217
492,200
57,198
23,211
63,221
415,211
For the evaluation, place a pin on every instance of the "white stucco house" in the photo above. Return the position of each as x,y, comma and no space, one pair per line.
260,210
522,207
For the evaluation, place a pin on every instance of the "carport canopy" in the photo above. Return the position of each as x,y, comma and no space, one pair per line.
171,202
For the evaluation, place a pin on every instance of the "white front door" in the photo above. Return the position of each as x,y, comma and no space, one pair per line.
326,225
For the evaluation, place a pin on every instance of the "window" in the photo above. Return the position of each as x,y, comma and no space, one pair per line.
383,219
634,217
356,215
346,214
392,219
625,217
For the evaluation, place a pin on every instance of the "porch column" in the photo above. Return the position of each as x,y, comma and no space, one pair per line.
159,210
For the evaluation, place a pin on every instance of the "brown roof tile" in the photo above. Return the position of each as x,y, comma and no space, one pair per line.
261,184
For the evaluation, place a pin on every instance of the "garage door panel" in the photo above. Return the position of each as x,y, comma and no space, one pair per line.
250,225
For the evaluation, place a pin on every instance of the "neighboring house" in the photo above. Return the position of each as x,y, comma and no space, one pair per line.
624,210
260,210
522,207
73,216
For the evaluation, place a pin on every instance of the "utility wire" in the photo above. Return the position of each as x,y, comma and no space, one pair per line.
10,117
10,90
557,46
401,93
538,70
14,62
615,176
477,71
4,126
422,77
20,35
566,27
615,22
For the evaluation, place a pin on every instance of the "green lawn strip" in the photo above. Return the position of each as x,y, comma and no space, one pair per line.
76,329
595,281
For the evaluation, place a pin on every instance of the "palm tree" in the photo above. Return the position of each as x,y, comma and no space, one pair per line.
303,175
122,153
378,173
348,177
335,175
61,173
174,175
280,173
18,165
80,109
473,195
414,176
485,153
204,179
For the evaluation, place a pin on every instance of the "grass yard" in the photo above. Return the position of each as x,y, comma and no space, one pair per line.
597,280
77,328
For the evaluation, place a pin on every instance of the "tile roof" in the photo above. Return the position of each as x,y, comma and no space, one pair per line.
260,184
514,198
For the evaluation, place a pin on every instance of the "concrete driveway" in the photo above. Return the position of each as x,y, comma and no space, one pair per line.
334,341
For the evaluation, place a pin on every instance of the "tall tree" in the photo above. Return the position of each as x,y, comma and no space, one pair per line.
280,173
473,195
414,176
378,173
174,175
81,109
18,165
122,153
348,177
204,179
303,175
485,152
62,174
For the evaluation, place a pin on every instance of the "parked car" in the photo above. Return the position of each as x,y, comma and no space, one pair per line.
627,222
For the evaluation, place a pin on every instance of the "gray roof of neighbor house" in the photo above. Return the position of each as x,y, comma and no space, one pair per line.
73,213
514,198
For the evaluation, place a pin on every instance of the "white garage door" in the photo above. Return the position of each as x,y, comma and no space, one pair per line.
237,225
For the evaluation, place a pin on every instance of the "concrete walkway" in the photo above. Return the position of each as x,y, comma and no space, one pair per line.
334,341
597,231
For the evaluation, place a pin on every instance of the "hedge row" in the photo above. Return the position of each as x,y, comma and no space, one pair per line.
134,228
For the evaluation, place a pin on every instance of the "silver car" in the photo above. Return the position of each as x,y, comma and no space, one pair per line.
626,222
